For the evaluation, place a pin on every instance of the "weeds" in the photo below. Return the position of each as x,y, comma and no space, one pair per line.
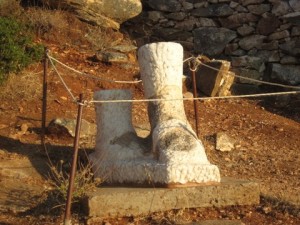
84,181
16,47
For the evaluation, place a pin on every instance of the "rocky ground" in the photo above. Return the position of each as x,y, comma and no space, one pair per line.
265,132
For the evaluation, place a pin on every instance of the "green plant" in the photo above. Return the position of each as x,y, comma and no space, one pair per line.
17,49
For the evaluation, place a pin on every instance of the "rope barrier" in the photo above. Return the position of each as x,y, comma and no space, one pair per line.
199,98
251,79
193,66
92,76
63,82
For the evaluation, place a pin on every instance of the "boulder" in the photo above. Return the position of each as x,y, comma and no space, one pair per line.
295,4
253,41
285,73
249,62
215,10
164,5
105,13
64,126
293,18
238,19
280,8
268,24
291,47
212,41
259,9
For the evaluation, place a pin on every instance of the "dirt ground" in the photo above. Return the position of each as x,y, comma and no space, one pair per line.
266,133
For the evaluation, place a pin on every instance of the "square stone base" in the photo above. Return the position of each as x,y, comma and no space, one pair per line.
109,202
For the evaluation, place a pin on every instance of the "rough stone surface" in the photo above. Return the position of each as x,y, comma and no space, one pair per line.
212,41
251,2
245,30
165,5
248,61
267,25
224,143
248,73
111,57
295,4
68,126
105,13
119,202
259,9
253,41
280,8
216,10
291,47
176,156
293,18
238,19
287,74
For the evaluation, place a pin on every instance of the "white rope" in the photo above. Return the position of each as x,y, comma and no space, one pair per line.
200,98
92,76
251,79
63,82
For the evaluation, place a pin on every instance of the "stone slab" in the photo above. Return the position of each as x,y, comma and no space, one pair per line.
130,201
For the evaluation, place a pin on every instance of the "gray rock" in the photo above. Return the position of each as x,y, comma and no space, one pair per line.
267,24
248,73
215,10
251,2
206,22
172,34
289,60
291,47
124,48
230,48
295,4
270,45
224,143
61,126
241,9
238,19
212,41
259,9
249,62
267,56
280,8
245,30
285,73
187,5
279,35
105,13
165,5
176,16
253,41
293,18
187,25
155,16
295,31
111,57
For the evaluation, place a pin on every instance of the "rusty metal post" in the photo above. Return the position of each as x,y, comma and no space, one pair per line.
193,70
45,88
67,219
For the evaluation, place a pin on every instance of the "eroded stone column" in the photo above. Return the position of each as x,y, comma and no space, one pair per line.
177,156
173,141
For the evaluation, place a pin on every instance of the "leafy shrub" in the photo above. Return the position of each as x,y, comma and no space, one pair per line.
16,47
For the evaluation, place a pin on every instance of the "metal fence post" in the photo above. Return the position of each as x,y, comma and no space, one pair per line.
45,88
67,219
195,95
